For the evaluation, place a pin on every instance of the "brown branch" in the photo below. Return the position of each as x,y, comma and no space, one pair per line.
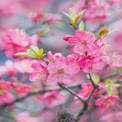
70,91
85,101
48,89
85,107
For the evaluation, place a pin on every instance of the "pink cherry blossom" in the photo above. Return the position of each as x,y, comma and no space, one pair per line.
83,42
15,40
86,90
40,73
106,101
51,57
99,11
90,63
5,85
22,89
6,97
36,16
60,70
53,98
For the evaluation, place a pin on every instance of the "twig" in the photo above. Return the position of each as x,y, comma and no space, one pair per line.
72,92
48,89
85,101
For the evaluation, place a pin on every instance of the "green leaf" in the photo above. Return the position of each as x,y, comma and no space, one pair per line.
81,25
73,16
21,54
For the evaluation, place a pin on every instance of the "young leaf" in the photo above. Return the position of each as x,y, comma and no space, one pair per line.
81,25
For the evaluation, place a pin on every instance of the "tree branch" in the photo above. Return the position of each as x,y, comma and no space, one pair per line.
48,89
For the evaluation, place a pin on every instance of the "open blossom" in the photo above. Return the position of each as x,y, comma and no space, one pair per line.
15,40
61,70
106,101
90,63
6,97
84,42
99,11
86,90
40,73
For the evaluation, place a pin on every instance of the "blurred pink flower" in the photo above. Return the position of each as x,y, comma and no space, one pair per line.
90,63
106,101
40,72
6,97
22,89
52,98
15,40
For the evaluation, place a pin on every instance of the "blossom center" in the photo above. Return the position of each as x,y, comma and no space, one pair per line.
84,43
61,71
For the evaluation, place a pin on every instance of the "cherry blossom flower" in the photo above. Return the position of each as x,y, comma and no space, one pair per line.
83,42
53,98
36,16
99,11
40,72
86,90
51,57
106,101
5,85
6,97
60,70
90,63
22,89
15,40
